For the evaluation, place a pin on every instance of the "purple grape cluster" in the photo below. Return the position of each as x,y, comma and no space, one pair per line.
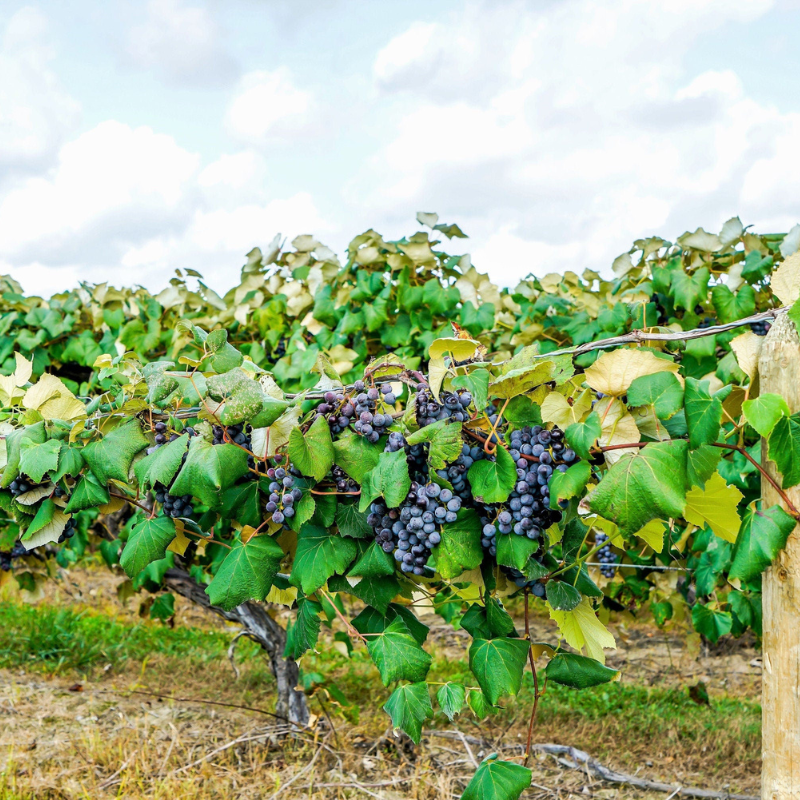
456,473
536,587
538,454
282,495
171,506
413,529
371,422
163,437
344,483
452,406
605,556
21,485
69,530
236,434
7,557
415,455
760,328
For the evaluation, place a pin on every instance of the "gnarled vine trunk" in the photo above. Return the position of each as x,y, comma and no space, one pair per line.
291,704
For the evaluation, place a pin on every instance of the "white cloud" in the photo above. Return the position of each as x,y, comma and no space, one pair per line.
582,131
35,112
267,104
183,43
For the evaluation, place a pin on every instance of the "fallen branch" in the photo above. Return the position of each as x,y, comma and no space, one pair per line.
580,760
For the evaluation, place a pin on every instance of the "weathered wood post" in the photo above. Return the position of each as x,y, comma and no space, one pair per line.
779,370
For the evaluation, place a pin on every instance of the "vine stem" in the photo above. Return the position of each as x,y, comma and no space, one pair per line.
724,446
132,502
535,682
311,491
348,625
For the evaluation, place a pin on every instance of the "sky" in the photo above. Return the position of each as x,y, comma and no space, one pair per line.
141,136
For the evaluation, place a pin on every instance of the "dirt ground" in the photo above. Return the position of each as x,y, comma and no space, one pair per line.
91,737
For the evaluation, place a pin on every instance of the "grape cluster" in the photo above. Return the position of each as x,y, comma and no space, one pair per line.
21,485
706,322
282,495
411,531
371,422
415,455
605,556
538,453
162,437
236,434
536,587
6,558
68,532
173,506
338,409
456,473
279,350
344,483
760,328
452,406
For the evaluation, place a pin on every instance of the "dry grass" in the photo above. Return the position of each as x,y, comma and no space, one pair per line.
103,741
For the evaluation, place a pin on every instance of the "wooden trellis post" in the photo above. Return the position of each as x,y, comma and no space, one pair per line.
779,370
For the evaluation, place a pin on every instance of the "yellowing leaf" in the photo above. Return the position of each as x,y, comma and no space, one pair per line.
614,372
51,398
24,370
785,281
581,629
747,348
278,432
716,506
653,534
181,540
460,349
617,426
281,597
556,409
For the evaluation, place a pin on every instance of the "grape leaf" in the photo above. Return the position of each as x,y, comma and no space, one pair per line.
319,555
477,384
246,573
242,503
398,655
498,780
579,672
701,464
460,548
162,464
112,456
312,453
765,411
444,437
581,436
645,486
37,459
662,390
373,563
147,542
515,551
562,596
784,449
409,706
569,484
89,493
498,665
762,536
389,478
712,624
370,620
33,433
492,481
451,699
376,592
703,412
302,635
355,455
352,522
731,306
46,526
716,506
70,462
209,470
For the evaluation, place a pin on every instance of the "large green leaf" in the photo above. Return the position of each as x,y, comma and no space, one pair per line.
515,551
703,411
352,522
246,573
35,460
88,493
355,455
712,624
498,780
398,655
762,536
460,548
374,563
581,436
112,456
302,635
579,672
377,592
498,665
451,699
645,486
569,484
319,555
492,481
162,464
661,390
445,442
242,503
147,542
32,433
477,384
409,706
689,290
731,306
784,449
209,470
701,464
70,462
389,479
370,620
764,412
312,452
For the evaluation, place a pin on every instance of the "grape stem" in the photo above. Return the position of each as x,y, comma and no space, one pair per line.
535,681
132,502
311,491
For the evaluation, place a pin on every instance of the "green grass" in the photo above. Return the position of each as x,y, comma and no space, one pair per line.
59,640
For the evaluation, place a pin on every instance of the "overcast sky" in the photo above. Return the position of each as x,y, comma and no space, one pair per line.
137,137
